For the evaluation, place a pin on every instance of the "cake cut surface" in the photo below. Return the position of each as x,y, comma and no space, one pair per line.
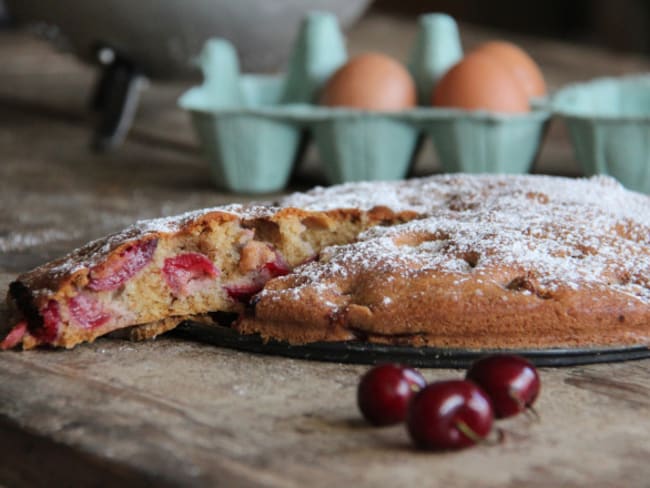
158,273
462,261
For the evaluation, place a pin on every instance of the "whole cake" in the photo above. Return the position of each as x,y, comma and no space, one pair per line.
457,260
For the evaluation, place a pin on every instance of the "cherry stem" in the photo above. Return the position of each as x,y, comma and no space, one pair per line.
477,439
468,432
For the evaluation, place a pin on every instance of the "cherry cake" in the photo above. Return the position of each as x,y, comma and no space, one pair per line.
455,260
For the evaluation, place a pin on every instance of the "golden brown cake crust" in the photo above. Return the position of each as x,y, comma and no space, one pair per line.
450,261
498,262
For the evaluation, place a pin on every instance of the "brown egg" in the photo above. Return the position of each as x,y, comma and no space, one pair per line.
371,82
520,63
478,82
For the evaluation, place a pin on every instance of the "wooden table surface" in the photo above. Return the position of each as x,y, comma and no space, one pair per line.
169,412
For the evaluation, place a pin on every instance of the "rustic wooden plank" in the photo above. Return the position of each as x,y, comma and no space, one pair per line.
193,414
173,413
32,460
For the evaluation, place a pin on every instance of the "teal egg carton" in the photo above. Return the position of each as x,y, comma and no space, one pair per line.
609,124
252,127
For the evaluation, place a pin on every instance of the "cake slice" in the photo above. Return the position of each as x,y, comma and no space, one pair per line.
157,273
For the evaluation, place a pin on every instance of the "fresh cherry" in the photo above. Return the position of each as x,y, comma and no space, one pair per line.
385,391
449,415
511,382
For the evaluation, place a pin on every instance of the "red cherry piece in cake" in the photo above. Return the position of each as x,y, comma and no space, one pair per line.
244,290
278,267
511,382
114,272
181,270
87,311
49,330
15,336
449,415
384,393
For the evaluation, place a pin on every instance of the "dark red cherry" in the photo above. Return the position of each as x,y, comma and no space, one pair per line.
449,415
511,382
385,391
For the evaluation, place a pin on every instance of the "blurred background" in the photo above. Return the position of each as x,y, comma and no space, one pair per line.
120,46
78,75
117,67
623,25
620,25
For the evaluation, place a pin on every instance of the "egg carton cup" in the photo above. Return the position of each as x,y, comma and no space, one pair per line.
483,142
251,127
609,125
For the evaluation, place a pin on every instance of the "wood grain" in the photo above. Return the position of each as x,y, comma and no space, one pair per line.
189,414
172,413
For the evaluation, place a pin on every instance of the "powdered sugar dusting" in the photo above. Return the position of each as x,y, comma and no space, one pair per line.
96,251
176,222
536,233
549,233
409,195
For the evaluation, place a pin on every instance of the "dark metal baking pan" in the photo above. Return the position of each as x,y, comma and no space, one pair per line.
426,357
